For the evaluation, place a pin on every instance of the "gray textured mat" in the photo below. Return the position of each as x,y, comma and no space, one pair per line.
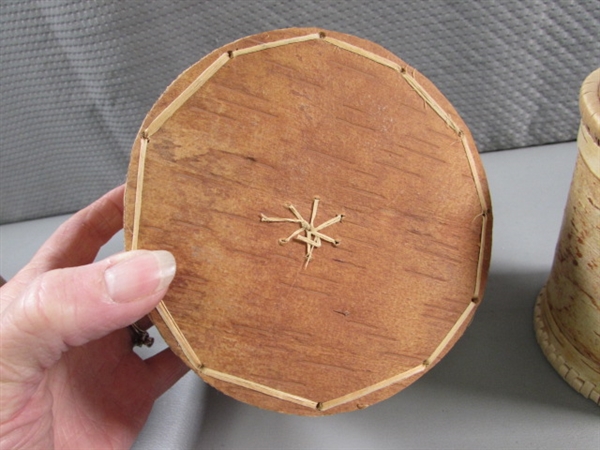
77,77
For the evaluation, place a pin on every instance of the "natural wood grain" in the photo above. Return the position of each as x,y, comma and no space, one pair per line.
291,115
567,313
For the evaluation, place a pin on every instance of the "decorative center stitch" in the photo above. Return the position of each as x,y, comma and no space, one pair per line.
313,236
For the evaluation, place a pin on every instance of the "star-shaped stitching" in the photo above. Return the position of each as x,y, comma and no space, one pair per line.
313,236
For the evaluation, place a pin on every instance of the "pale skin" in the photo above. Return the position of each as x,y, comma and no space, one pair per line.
68,375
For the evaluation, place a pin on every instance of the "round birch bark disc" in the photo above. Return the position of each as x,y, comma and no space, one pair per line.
329,215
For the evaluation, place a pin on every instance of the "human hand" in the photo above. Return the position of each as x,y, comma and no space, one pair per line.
68,375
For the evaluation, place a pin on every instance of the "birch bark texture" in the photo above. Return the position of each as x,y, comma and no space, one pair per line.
329,215
567,312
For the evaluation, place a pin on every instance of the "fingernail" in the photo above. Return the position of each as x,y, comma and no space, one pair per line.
138,274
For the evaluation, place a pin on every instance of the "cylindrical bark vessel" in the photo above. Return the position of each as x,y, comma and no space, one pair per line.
567,312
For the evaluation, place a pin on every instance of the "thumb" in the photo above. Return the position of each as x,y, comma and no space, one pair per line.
70,307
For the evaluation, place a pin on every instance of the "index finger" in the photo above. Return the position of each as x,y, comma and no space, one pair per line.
77,241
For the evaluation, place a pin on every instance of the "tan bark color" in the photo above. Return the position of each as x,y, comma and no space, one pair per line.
307,143
567,313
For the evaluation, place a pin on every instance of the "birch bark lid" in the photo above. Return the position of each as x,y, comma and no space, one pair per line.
589,106
329,215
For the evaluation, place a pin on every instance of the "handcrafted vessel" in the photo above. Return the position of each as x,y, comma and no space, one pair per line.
567,312
329,215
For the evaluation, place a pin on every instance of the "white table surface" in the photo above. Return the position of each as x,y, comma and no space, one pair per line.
494,390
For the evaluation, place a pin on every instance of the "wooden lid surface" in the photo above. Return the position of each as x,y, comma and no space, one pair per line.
329,215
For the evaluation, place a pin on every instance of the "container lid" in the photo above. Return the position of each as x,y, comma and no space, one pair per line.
329,215
588,139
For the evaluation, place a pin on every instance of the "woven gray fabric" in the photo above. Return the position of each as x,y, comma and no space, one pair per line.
77,77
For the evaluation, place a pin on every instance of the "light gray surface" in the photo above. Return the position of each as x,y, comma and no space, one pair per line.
493,390
77,77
